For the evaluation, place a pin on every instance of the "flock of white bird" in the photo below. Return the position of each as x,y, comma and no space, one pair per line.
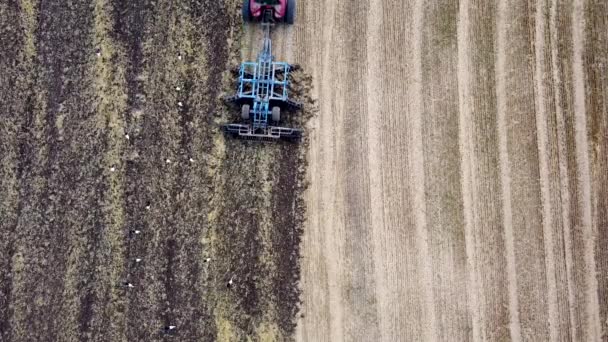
169,328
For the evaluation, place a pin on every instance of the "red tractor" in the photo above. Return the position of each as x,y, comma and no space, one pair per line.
268,11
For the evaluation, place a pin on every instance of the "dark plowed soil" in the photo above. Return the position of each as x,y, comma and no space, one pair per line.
109,125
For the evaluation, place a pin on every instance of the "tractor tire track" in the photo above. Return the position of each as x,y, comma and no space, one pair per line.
596,91
354,186
416,161
464,139
485,220
582,148
572,203
444,210
374,125
553,236
520,159
505,169
561,101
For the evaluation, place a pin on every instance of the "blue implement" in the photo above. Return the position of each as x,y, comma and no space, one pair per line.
263,95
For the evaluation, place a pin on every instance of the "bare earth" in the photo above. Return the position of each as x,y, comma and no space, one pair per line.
458,170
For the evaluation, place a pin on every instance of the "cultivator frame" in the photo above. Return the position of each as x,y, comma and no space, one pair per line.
262,96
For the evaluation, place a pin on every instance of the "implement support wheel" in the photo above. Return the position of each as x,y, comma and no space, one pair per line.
245,112
276,114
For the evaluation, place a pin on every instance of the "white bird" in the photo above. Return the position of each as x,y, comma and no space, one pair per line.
230,282
148,207
112,169
127,136
167,328
179,57
178,88
129,285
137,260
191,160
136,231
209,259
168,161
180,104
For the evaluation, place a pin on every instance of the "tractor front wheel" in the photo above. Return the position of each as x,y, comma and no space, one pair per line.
290,14
247,17
245,112
276,114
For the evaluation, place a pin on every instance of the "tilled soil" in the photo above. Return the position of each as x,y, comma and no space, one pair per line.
110,125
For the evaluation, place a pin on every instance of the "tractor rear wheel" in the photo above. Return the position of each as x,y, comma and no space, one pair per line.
290,14
246,11
245,112
276,114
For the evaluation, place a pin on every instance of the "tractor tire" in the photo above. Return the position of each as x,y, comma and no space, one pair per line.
247,11
245,112
290,14
276,114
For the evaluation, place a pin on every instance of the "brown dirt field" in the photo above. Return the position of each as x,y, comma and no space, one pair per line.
457,170
452,185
